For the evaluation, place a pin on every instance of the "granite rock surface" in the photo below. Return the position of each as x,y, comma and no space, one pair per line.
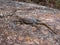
14,33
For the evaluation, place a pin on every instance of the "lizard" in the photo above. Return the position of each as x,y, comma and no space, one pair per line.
34,22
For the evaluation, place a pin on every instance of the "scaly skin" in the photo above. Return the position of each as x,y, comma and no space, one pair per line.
34,22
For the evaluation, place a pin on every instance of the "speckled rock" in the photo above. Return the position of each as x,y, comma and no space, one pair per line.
14,33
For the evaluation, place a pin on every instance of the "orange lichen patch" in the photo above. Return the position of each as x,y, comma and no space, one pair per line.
38,16
44,32
28,39
50,19
33,29
20,38
12,33
13,18
57,27
44,16
58,15
36,41
43,42
48,15
6,32
48,43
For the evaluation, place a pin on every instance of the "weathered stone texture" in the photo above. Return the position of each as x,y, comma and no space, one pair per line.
14,33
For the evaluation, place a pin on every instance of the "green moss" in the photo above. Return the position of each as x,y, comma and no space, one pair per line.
58,4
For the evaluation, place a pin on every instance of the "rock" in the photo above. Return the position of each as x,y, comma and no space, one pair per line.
14,33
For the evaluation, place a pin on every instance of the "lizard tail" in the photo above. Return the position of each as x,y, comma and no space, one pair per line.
48,27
